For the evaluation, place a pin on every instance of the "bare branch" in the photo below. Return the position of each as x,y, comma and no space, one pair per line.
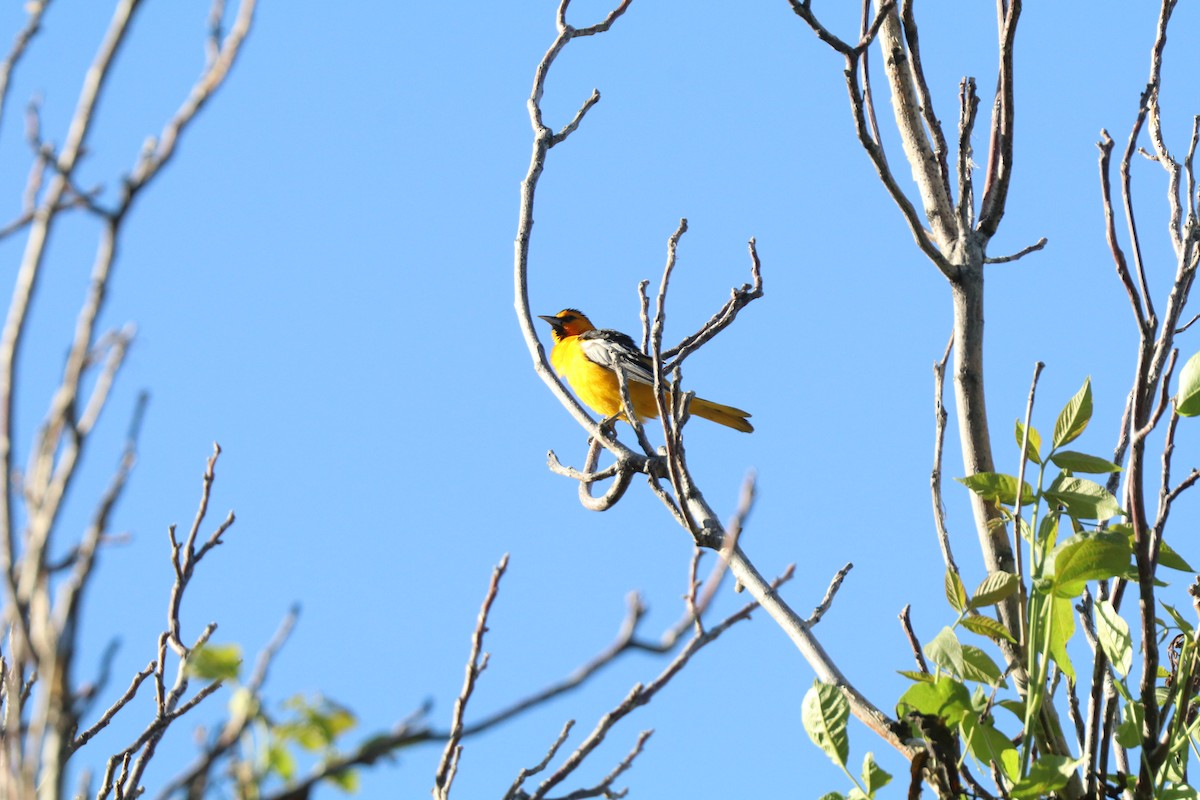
1164,399
644,301
571,126
864,119
558,468
1167,493
968,102
1189,167
514,791
1135,241
733,535
826,670
234,727
738,299
615,492
155,156
476,663
604,787
1187,325
1000,152
935,475
1154,120
1033,248
802,10
830,592
112,710
864,58
879,159
925,99
14,326
638,696
1118,254
928,170
1017,549
906,623
544,139
185,557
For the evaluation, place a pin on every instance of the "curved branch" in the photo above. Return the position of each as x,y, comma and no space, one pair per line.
932,182
827,672
1000,152
543,140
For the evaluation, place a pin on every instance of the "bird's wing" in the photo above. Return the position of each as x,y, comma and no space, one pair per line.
615,350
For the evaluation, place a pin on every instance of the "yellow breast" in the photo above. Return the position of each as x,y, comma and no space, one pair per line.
597,386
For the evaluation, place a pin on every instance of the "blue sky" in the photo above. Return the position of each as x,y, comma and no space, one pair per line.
322,283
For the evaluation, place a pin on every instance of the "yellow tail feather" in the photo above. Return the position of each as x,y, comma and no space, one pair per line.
728,416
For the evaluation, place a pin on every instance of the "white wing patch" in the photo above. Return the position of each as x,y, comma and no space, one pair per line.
614,351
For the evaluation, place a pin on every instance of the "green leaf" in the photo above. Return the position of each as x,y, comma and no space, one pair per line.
346,780
338,719
1048,530
978,666
215,662
280,761
1113,632
1010,762
1168,558
824,713
1187,400
1064,628
1047,774
243,704
1083,499
1025,530
1181,622
832,796
995,587
1088,557
1014,707
1033,448
956,593
913,675
998,487
1178,791
987,744
317,724
1082,462
986,626
1129,731
1074,417
874,777
946,651
945,698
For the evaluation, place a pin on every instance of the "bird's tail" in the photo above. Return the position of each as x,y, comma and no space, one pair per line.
728,416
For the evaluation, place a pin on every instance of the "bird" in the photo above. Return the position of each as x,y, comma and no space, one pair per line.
587,356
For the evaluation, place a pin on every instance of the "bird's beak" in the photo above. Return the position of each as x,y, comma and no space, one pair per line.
555,322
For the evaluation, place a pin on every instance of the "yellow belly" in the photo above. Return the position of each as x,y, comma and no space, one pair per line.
597,386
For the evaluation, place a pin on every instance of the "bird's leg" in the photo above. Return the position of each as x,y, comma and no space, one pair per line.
608,426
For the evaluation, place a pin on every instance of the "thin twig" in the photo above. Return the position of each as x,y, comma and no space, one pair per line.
906,623
830,593
638,696
1018,549
935,475
476,664
1033,248
738,299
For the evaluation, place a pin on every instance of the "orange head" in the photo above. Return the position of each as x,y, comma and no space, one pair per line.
567,323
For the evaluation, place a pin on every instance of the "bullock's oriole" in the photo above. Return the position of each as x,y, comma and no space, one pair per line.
586,357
